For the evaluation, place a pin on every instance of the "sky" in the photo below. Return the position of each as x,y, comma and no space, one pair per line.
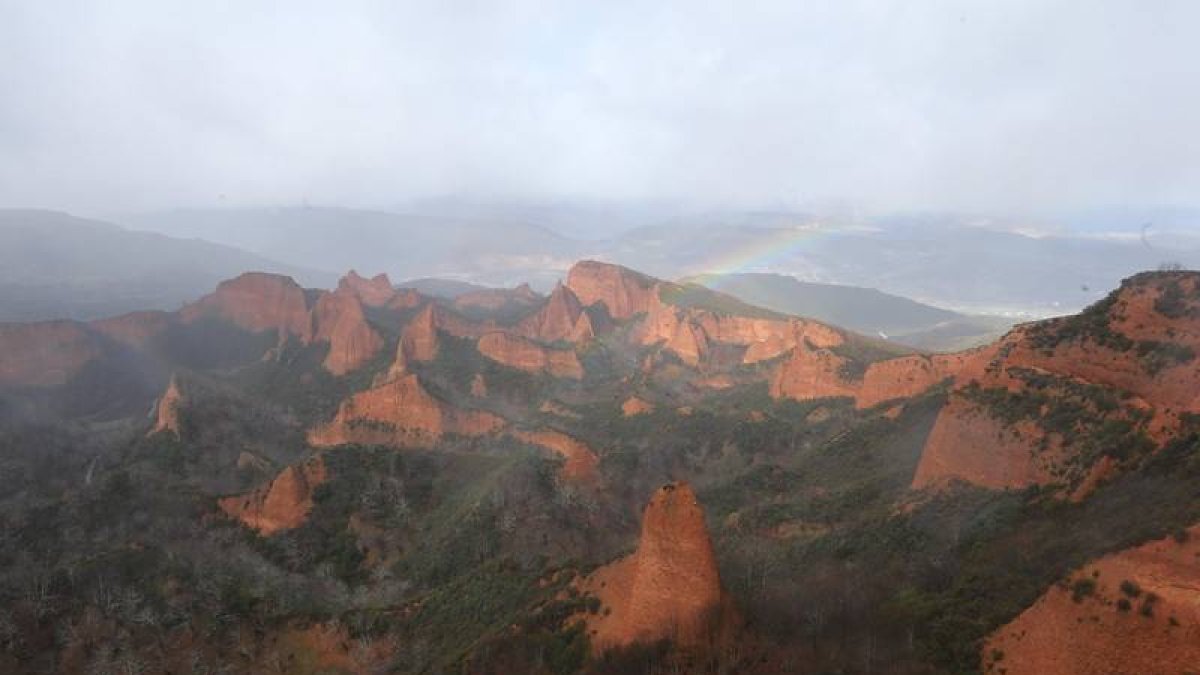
1014,106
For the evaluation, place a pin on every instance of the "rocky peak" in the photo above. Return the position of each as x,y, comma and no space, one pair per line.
624,292
338,319
374,292
670,587
166,410
419,339
257,301
561,318
282,504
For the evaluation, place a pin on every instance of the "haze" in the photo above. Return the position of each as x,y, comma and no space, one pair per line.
1015,107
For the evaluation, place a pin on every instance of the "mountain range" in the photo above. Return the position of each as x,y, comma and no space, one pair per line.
626,474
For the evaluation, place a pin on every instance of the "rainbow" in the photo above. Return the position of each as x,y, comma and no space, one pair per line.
771,250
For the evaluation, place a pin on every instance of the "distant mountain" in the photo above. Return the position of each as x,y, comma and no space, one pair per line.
963,265
54,265
968,264
447,289
863,310
497,251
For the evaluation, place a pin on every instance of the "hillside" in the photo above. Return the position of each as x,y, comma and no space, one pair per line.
627,475
53,265
863,310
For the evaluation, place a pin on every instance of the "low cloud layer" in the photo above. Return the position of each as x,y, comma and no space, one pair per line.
1014,106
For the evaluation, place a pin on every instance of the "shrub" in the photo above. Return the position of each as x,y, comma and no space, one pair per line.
1131,588
1082,588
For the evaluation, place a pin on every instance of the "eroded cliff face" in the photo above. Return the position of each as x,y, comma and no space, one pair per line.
1081,626
282,504
374,292
523,354
339,320
166,410
400,412
561,318
45,354
135,329
669,588
419,339
623,292
257,301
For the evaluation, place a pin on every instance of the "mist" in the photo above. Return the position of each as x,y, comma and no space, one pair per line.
1017,107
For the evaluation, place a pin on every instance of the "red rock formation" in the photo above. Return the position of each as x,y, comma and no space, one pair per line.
282,504
1092,636
374,292
400,412
166,415
561,318
969,444
812,373
623,292
135,329
669,588
44,354
257,302
523,354
636,406
406,298
419,339
340,321
581,462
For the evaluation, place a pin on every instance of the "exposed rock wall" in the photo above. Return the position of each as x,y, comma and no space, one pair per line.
282,504
669,588
523,354
44,354
400,412
340,321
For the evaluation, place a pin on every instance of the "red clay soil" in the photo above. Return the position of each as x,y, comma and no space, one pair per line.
1058,635
669,588
282,504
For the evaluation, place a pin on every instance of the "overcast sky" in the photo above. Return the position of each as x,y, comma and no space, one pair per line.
999,105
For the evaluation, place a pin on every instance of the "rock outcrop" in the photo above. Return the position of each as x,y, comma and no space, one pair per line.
257,302
636,406
561,318
45,354
135,329
374,292
623,292
524,354
400,412
282,504
669,588
339,320
419,339
166,410
1136,611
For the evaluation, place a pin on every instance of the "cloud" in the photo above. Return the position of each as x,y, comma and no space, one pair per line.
1018,106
